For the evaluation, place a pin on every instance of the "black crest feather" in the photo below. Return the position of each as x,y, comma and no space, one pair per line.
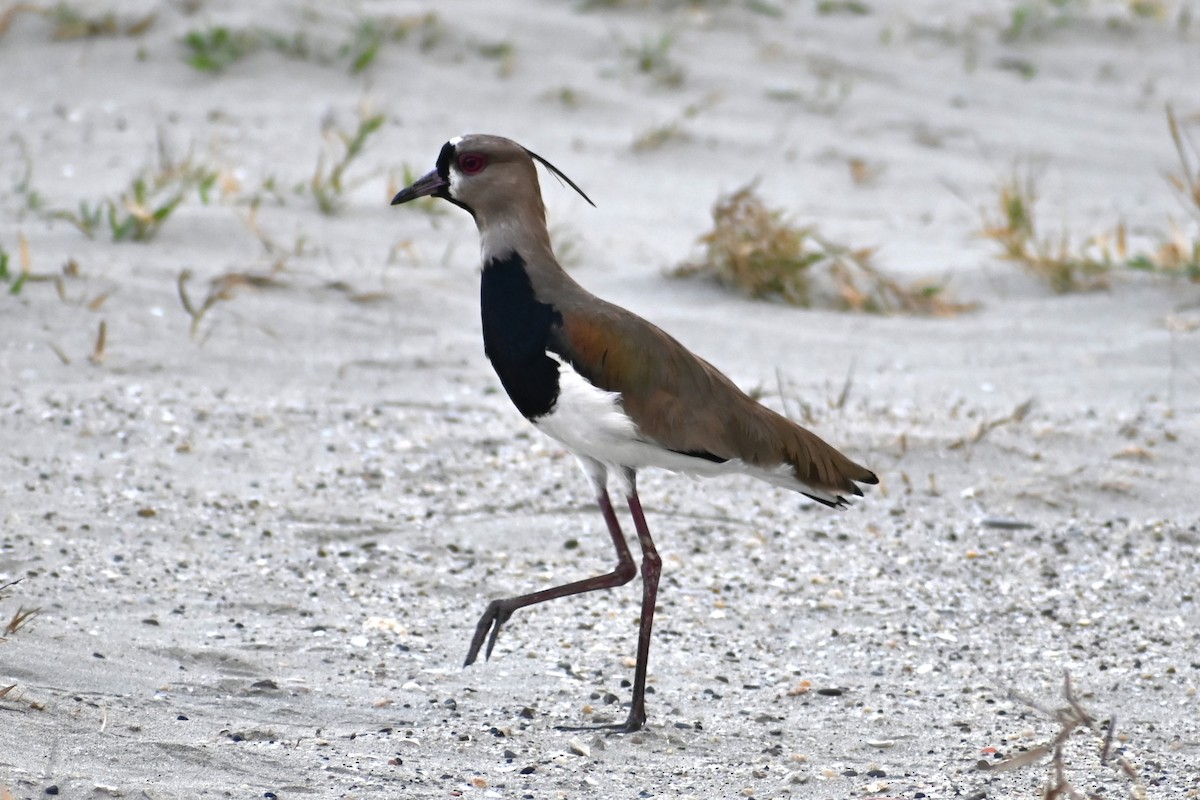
558,173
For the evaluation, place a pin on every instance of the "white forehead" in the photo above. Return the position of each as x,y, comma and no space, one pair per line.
454,142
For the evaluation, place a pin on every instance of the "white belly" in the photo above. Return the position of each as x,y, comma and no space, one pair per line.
591,423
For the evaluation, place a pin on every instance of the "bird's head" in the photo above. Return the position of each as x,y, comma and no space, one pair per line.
489,176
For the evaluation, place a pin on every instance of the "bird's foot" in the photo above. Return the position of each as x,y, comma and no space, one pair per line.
637,718
635,722
497,613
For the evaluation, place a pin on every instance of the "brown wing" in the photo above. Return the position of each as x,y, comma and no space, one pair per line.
685,404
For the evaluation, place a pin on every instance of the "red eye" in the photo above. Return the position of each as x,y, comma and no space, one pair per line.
472,163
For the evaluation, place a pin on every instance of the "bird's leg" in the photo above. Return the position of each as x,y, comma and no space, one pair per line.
498,611
651,569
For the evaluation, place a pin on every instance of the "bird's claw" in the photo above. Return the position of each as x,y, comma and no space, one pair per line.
493,619
633,724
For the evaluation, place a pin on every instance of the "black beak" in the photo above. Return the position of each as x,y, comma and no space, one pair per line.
431,184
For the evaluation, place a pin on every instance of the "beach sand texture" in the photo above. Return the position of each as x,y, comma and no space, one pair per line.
259,520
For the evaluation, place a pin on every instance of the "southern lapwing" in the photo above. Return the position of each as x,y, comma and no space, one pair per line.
613,389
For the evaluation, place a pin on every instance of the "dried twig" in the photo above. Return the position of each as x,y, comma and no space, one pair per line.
1187,183
1070,719
1018,414
97,356
19,619
223,287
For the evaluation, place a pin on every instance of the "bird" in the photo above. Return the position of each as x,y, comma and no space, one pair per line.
613,389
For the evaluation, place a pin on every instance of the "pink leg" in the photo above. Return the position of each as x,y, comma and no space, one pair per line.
651,570
499,611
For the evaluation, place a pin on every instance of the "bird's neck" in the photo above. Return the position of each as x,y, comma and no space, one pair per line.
522,234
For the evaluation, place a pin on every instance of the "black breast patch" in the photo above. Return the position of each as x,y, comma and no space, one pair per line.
516,335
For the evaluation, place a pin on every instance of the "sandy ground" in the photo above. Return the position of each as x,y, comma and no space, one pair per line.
259,548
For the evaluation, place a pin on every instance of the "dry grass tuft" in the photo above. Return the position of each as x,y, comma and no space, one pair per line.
139,212
1038,19
1055,261
653,58
676,130
369,34
1176,254
660,136
16,280
1067,267
72,23
756,250
216,48
69,22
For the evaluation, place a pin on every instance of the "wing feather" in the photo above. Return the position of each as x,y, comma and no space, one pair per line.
681,402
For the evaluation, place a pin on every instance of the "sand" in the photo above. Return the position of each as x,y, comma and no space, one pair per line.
259,540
